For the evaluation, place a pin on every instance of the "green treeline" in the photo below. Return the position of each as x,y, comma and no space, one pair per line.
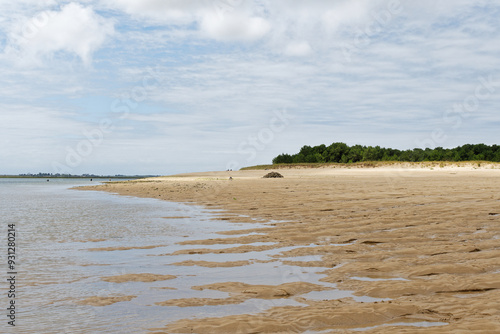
342,153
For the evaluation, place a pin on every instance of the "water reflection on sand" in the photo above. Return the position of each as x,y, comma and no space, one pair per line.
70,240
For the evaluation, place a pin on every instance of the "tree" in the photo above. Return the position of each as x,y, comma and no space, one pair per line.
306,150
335,151
372,153
299,158
341,152
283,159
355,154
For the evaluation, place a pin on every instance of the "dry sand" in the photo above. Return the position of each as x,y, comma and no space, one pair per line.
425,237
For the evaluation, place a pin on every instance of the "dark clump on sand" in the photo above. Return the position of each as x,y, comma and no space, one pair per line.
273,175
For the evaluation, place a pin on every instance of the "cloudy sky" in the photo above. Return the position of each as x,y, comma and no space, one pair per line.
167,86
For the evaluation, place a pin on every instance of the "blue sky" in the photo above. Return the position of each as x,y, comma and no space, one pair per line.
161,87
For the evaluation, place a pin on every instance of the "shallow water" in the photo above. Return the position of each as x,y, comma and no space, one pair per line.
56,226
60,236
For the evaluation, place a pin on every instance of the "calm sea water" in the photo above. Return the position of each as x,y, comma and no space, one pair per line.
55,228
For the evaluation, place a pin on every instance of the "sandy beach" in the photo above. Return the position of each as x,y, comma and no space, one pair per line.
424,239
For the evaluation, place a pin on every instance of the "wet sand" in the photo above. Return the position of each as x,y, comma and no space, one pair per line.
423,238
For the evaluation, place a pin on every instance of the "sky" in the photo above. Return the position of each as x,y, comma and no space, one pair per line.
168,86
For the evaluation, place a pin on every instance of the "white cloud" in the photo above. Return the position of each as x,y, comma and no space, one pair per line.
298,49
287,25
74,29
234,27
166,11
346,13
219,20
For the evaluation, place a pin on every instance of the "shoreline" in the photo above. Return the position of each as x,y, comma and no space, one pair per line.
425,238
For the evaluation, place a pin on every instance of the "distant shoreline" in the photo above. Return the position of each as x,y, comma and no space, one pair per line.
72,177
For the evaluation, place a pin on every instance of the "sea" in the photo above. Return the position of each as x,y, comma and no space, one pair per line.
68,240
